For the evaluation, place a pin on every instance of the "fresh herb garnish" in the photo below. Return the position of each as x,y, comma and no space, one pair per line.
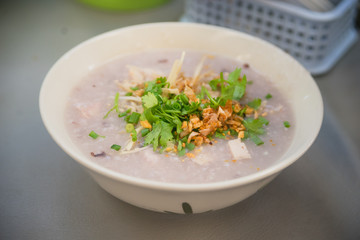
255,104
134,118
115,147
144,132
156,86
182,152
129,127
153,136
115,107
286,124
149,100
254,128
165,119
190,146
233,88
133,135
233,132
94,135
123,114
219,134
268,96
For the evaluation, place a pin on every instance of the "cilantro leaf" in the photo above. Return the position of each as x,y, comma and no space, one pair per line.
254,128
149,100
178,124
234,76
256,139
254,125
235,89
155,86
153,136
150,116
263,120
214,84
190,146
179,146
182,152
213,102
255,104
166,133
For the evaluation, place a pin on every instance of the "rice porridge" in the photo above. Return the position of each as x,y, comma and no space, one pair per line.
181,118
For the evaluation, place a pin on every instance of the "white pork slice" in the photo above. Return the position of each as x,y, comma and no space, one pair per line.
238,149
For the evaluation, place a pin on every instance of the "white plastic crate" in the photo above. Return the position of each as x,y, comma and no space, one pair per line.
316,39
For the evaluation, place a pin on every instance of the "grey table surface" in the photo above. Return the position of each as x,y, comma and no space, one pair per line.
44,194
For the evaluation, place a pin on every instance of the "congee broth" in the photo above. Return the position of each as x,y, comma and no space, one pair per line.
180,117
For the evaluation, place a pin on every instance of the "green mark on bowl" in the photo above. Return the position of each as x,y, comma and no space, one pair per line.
187,208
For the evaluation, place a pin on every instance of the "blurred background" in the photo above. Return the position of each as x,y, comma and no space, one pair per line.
44,194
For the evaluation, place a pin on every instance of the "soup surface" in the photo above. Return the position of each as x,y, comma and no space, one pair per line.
220,156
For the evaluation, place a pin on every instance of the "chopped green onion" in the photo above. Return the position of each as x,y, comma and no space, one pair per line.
123,114
115,107
134,135
144,132
94,135
116,147
268,96
134,88
128,94
286,124
134,118
129,127
184,98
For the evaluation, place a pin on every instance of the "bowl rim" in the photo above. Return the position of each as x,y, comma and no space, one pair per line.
169,186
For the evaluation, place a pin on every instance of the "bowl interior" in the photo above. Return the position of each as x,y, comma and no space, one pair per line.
289,76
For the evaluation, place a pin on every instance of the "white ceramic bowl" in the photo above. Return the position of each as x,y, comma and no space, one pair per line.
290,77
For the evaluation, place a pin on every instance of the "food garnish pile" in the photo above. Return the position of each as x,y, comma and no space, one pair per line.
178,114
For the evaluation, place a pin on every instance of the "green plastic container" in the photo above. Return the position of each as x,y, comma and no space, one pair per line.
123,4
